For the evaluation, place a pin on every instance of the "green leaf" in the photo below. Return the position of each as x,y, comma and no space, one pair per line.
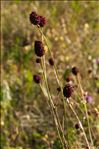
37,135
76,6
57,144
29,76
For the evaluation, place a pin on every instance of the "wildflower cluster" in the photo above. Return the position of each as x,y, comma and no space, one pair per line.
36,19
40,21
67,90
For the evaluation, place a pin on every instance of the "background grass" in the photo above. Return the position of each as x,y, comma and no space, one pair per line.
72,30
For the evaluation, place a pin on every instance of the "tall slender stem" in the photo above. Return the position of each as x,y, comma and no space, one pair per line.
56,75
55,115
55,70
79,122
85,106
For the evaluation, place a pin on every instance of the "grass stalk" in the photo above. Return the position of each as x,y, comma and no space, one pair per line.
81,126
86,110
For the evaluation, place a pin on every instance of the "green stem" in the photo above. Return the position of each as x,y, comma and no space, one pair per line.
55,70
86,111
52,107
81,126
56,75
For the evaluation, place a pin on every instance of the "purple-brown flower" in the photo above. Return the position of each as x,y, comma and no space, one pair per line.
59,89
38,60
51,61
77,126
69,78
89,98
67,90
34,18
97,61
36,79
75,70
42,21
39,48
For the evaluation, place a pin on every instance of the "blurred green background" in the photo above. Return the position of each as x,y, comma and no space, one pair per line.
72,31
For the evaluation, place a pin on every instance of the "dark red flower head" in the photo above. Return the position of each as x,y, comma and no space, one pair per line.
38,60
51,61
59,89
77,126
42,21
39,49
36,78
34,18
69,78
75,70
67,90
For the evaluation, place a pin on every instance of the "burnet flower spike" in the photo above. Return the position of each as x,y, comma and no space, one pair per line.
68,90
36,19
37,79
75,70
39,48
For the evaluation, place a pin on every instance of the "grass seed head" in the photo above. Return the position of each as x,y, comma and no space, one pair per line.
42,21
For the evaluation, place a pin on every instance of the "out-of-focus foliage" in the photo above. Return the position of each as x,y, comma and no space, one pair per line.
72,30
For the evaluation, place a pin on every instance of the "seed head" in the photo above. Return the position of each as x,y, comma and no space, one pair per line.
38,60
34,18
69,78
42,21
67,90
77,126
51,61
89,71
75,70
58,89
36,79
39,49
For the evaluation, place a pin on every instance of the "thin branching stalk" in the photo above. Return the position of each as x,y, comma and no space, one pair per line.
81,126
77,104
56,75
54,117
49,101
55,69
86,110
53,110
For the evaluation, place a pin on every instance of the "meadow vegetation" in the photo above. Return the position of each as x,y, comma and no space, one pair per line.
71,30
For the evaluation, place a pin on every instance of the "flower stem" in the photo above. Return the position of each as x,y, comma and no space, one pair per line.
52,107
79,123
85,106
